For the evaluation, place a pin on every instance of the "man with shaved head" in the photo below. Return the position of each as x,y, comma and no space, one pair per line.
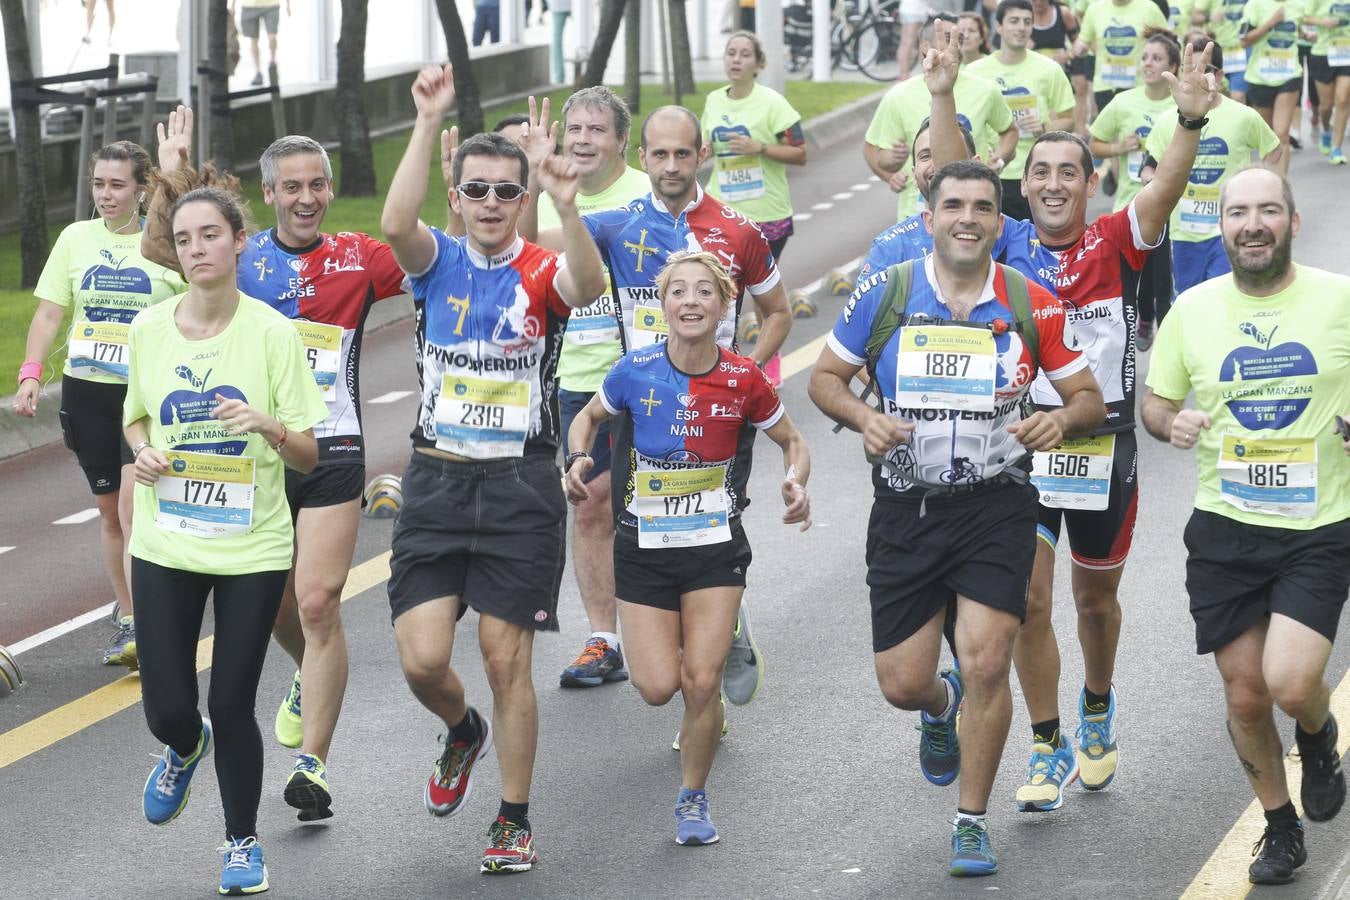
1266,350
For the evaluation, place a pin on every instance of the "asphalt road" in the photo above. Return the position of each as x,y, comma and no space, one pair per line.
816,790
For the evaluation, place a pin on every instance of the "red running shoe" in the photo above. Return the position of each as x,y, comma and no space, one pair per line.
511,850
451,784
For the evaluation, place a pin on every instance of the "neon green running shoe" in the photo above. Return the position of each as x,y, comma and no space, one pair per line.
288,726
307,789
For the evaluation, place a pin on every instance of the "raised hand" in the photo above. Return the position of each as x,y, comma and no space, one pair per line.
434,91
175,139
1196,92
940,67
449,147
540,137
560,178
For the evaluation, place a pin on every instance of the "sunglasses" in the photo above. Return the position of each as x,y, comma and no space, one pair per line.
505,191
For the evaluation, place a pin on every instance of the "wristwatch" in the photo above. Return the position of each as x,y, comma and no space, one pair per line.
572,458
1191,124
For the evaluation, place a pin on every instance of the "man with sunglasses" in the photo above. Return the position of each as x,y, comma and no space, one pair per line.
484,520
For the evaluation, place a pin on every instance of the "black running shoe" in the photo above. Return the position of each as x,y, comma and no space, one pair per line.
1323,790
1279,852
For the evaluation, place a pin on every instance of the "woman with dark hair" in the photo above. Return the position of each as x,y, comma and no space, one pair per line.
96,271
974,30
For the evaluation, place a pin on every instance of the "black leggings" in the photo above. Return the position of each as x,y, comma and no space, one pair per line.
776,246
1155,283
169,608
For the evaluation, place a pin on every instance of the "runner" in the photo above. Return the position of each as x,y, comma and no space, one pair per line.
635,241
483,519
1120,132
96,266
1266,543
1274,73
1234,135
904,106
1035,89
974,36
1224,17
219,403
1050,27
1330,65
951,530
755,135
1082,72
682,556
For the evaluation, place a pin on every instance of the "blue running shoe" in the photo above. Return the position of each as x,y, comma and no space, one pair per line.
1050,771
244,871
1324,143
1096,743
170,782
692,824
597,664
972,854
939,746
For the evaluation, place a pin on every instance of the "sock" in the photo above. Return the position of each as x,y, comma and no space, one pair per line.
1095,702
949,709
609,637
515,812
1285,818
1304,739
966,817
1046,732
466,730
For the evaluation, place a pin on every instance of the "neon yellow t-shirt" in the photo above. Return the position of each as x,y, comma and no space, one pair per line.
1273,59
1234,132
109,282
1333,43
1271,373
1035,89
980,107
174,382
754,186
1132,112
591,343
1116,33
1227,31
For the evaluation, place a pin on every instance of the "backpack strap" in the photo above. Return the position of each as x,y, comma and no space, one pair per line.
1019,299
890,312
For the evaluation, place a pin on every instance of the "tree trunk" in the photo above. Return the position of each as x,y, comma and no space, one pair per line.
33,244
611,14
217,56
358,161
467,101
681,57
632,62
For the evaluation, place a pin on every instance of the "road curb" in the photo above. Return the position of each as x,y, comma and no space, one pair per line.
20,435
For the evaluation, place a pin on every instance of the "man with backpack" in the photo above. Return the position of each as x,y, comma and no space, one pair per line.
952,344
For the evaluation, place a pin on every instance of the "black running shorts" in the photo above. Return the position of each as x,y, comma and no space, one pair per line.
491,533
1100,539
325,486
980,544
1237,574
660,576
91,423
1262,95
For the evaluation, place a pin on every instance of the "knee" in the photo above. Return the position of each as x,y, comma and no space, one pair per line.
507,667
423,669
700,685
320,608
985,669
1295,693
656,688
1097,606
1248,704
166,720
594,517
906,691
1039,607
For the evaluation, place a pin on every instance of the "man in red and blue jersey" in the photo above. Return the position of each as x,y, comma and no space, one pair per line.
483,521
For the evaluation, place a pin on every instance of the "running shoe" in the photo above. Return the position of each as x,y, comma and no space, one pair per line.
122,650
1337,157
1295,142
1144,336
244,871
288,725
598,663
1324,143
773,370
170,782
1279,852
451,785
692,824
972,853
307,789
257,80
744,670
1096,744
726,726
510,848
1323,790
939,747
1050,771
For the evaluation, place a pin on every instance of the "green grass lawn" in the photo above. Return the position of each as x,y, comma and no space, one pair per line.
363,213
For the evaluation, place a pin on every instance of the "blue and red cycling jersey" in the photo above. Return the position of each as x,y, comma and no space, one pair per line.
327,289
910,239
683,422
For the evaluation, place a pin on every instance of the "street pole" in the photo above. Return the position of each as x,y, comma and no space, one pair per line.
821,63
769,27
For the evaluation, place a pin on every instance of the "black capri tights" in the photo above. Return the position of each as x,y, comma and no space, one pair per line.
169,608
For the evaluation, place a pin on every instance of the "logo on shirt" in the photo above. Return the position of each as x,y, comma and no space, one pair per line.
1259,396
640,249
650,400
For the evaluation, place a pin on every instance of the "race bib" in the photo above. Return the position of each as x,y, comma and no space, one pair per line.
1234,60
594,324
205,495
1271,476
946,367
1198,209
1118,76
1026,112
482,418
1277,64
323,349
649,325
682,508
740,178
1076,474
99,348
1338,52
1134,162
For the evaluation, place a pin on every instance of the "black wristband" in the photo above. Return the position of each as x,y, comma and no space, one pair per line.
573,457
1191,124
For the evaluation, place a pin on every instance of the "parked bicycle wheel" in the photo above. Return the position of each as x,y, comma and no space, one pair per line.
874,48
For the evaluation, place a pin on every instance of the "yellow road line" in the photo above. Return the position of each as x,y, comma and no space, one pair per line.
803,357
1224,874
77,715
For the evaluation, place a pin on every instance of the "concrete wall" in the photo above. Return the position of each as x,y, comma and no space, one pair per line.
309,110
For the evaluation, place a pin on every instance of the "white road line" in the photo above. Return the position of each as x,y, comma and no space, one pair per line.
812,287
860,186
78,518
5,549
391,397
844,195
852,264
801,217
65,627
874,178
823,206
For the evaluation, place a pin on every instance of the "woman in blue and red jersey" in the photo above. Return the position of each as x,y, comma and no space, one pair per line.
680,553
